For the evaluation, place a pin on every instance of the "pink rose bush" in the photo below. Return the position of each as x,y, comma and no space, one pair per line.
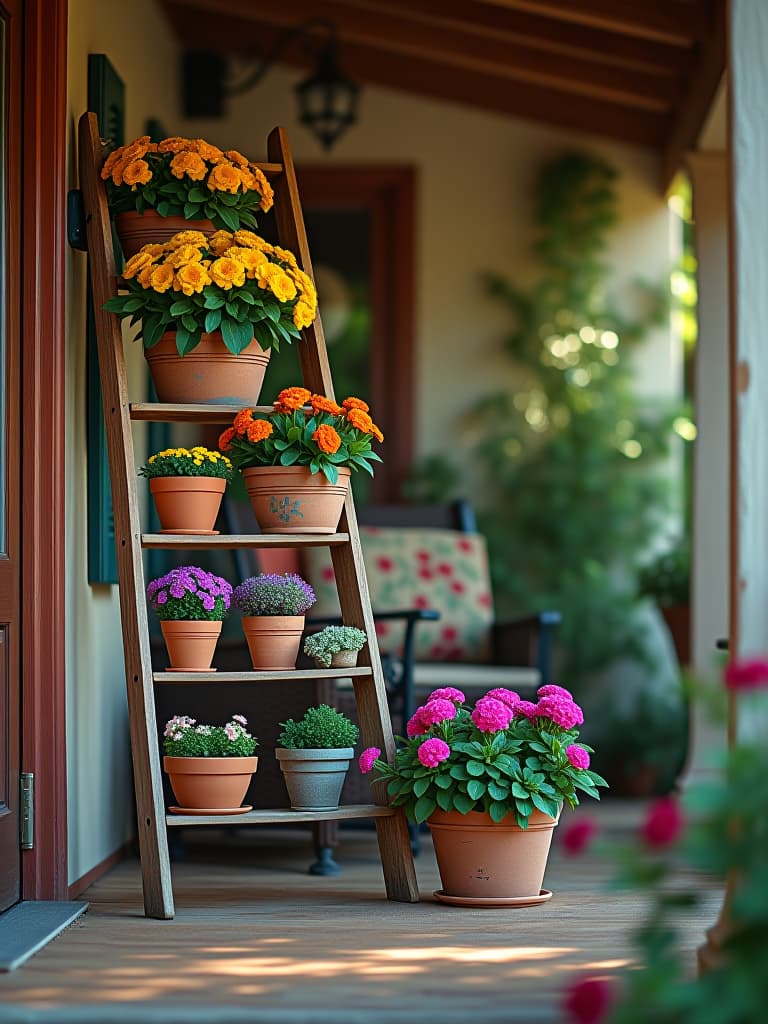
501,756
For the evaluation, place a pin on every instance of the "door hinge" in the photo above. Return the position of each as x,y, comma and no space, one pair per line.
27,810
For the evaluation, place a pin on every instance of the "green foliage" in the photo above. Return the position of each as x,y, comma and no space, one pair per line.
183,737
331,640
667,579
322,727
187,462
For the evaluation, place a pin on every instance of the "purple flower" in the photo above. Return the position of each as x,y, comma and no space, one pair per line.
432,752
577,755
189,592
162,597
562,711
554,691
505,696
367,758
491,715
274,594
447,693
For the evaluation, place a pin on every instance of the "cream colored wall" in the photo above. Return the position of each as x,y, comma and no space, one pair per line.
100,796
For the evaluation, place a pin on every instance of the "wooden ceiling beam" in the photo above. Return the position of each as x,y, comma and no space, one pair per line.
513,60
438,80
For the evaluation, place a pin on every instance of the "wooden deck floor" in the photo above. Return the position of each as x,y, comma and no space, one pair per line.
257,940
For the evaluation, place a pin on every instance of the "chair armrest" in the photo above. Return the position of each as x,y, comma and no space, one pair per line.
526,641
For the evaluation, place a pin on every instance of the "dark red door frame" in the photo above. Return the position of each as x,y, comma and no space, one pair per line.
43,599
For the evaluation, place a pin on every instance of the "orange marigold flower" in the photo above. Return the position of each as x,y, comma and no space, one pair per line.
293,398
219,242
110,162
249,239
259,430
137,173
225,437
190,164
356,403
224,178
161,279
208,152
376,432
236,157
327,439
174,144
192,278
137,262
360,420
320,403
242,421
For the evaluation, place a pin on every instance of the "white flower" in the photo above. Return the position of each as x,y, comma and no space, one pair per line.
240,718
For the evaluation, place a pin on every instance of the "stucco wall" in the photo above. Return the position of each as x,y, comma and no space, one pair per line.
475,173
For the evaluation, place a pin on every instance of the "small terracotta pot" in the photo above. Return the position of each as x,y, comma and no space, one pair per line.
210,783
290,499
136,229
209,374
477,857
273,640
187,504
190,643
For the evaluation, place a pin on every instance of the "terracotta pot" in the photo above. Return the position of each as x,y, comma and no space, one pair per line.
209,374
187,504
210,783
136,229
290,499
273,640
478,858
190,643
314,777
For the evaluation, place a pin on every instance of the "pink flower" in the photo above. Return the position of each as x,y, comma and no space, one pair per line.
447,693
415,726
554,691
240,718
577,755
747,675
435,711
367,758
563,711
231,731
588,1001
432,752
578,835
664,822
525,709
491,715
505,696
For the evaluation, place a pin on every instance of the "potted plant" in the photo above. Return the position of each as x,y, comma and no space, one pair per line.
273,606
297,459
314,755
222,303
209,766
335,646
667,580
187,485
490,781
155,189
191,604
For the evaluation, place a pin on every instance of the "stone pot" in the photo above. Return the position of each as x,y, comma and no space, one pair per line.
314,777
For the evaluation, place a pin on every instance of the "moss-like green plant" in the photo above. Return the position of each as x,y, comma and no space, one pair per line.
332,640
322,727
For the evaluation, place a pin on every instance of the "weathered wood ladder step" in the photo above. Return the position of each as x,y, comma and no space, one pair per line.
346,553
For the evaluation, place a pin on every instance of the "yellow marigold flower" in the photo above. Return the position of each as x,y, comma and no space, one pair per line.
154,249
219,242
327,439
110,162
263,187
258,430
117,170
227,273
356,403
224,440
136,150
136,263
303,315
161,279
174,144
224,178
283,288
285,255
320,403
249,239
251,259
266,272
183,255
190,164
190,238
242,421
236,157
208,152
144,277
192,278
360,420
293,398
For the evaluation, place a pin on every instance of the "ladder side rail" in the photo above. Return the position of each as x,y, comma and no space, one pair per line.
153,845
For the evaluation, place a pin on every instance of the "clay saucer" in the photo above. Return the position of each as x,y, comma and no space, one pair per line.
210,810
493,901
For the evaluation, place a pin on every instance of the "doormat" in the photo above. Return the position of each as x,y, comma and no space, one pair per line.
27,927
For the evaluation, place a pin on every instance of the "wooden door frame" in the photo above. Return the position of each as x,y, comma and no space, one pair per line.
388,191
43,598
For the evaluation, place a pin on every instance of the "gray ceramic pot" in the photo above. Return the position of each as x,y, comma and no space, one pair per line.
314,777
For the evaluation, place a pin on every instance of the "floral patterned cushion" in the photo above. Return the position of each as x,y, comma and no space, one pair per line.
420,568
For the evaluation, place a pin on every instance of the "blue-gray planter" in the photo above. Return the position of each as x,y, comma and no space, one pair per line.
314,777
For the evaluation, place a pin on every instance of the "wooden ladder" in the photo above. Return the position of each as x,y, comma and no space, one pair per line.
119,412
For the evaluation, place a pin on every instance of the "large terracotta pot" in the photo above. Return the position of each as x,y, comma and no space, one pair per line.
209,374
210,783
136,229
273,640
314,777
290,499
190,643
479,859
187,504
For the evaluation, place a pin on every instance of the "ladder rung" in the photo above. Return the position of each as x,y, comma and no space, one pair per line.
161,412
286,675
283,816
270,170
195,542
